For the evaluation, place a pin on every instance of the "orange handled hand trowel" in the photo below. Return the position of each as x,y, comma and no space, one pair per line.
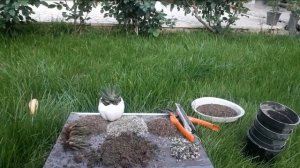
185,124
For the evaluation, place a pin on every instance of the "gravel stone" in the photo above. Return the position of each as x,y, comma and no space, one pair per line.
182,149
127,124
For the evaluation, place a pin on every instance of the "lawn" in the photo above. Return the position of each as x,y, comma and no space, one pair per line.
66,73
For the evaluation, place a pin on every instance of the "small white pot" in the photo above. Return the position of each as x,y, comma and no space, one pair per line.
111,112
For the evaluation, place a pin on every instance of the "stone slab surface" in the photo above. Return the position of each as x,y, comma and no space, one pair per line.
60,158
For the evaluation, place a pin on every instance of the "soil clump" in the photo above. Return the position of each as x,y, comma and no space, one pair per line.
126,151
217,110
162,127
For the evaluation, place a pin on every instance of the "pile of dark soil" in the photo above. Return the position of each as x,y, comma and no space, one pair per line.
162,127
217,110
127,150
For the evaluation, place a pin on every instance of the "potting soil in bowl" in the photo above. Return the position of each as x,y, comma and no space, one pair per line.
217,110
87,140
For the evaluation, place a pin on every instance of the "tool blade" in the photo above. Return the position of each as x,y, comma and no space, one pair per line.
184,119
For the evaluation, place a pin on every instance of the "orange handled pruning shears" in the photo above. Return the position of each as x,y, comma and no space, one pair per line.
189,135
185,124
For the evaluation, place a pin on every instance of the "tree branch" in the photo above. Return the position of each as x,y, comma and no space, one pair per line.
196,13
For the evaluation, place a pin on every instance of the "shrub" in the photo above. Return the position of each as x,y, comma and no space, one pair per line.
13,12
212,13
79,10
294,6
137,15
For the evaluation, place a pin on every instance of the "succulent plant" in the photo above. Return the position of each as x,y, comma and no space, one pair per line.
111,105
111,95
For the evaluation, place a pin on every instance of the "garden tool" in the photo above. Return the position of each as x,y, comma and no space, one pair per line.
185,124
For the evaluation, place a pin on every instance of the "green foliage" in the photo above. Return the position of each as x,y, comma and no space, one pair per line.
294,6
138,15
13,12
79,9
218,11
274,4
215,12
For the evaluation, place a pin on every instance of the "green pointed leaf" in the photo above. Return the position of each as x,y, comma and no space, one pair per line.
23,3
59,7
51,6
12,12
44,3
156,32
64,14
172,7
21,17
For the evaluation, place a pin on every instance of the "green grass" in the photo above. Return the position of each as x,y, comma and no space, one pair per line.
66,72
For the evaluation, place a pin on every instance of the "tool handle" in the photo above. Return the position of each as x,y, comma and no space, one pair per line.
184,132
205,124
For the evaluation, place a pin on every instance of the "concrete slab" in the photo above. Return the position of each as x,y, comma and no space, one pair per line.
254,20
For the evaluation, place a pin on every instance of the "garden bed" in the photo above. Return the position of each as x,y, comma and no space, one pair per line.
135,140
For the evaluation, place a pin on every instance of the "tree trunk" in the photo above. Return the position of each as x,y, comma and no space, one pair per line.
292,25
202,21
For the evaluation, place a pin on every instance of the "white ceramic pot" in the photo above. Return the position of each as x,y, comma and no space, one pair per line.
111,112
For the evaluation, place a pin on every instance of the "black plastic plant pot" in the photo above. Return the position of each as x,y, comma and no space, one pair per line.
269,133
277,117
265,141
273,18
254,149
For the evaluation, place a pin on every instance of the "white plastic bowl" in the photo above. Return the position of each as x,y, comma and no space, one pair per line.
213,100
